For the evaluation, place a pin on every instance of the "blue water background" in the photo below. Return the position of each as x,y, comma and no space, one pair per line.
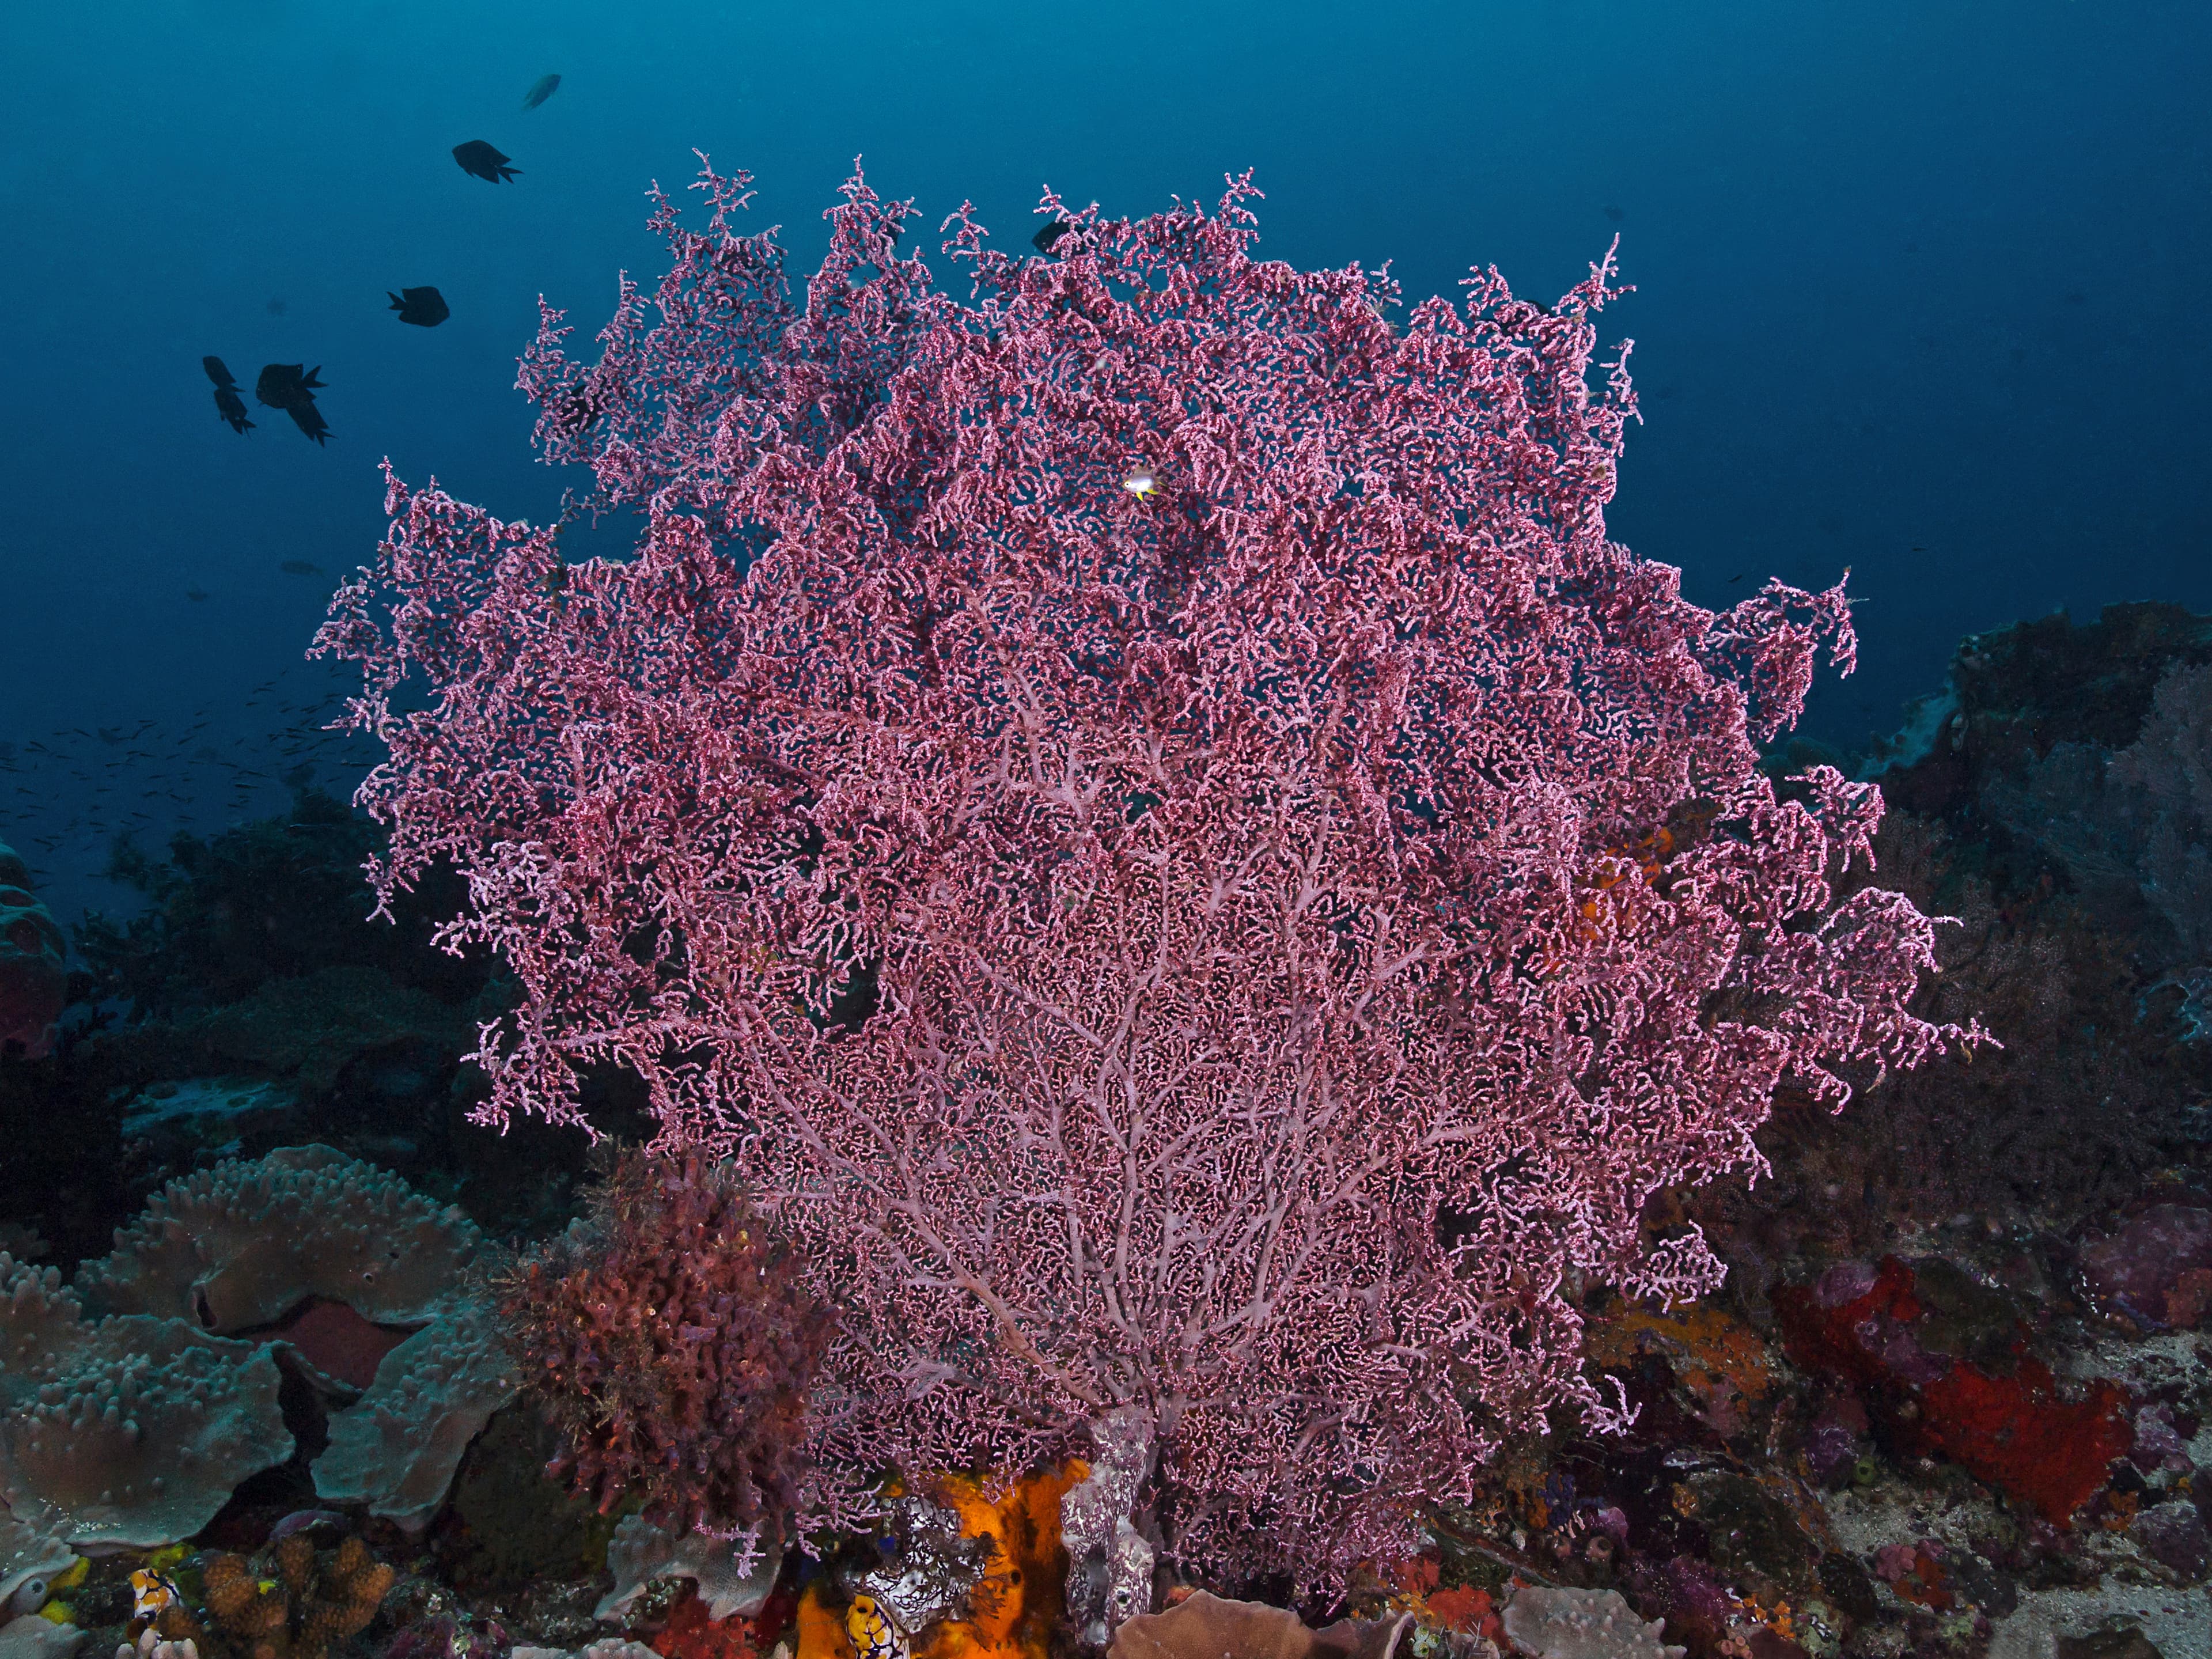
1917,287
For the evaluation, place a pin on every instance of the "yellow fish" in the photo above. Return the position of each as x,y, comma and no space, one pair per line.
150,1592
874,1634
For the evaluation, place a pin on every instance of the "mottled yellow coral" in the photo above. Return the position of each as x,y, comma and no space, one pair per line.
821,1631
1696,1337
1024,1592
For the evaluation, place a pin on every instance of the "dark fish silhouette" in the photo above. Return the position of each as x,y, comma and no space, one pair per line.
425,308
228,404
1043,240
546,86
232,408
196,594
480,161
281,386
300,568
1615,215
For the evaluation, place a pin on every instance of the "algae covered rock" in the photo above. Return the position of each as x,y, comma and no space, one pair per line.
34,961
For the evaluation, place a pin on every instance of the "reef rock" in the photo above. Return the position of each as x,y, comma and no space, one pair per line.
356,1278
33,1638
1943,1362
34,961
132,1432
640,1553
179,1118
1581,1624
2152,1270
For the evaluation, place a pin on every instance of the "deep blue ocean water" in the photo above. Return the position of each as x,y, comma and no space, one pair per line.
1917,288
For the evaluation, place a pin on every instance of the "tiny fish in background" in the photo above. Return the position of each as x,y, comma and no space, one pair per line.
480,161
300,568
228,404
196,594
282,386
425,308
1050,234
546,86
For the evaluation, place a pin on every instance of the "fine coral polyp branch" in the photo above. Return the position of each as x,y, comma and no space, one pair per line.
1213,961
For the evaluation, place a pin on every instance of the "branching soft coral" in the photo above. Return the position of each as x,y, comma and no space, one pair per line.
672,1344
1313,883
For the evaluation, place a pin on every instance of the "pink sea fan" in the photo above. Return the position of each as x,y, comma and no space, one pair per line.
1233,949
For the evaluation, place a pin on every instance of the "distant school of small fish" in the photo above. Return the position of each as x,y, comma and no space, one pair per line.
177,770
76,786
292,386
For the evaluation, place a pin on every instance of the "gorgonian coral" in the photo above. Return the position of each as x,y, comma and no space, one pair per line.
1146,814
671,1342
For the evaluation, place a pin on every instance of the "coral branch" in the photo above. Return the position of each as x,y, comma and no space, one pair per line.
1147,813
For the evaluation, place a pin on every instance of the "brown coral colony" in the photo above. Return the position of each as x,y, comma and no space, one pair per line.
314,1603
672,1345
